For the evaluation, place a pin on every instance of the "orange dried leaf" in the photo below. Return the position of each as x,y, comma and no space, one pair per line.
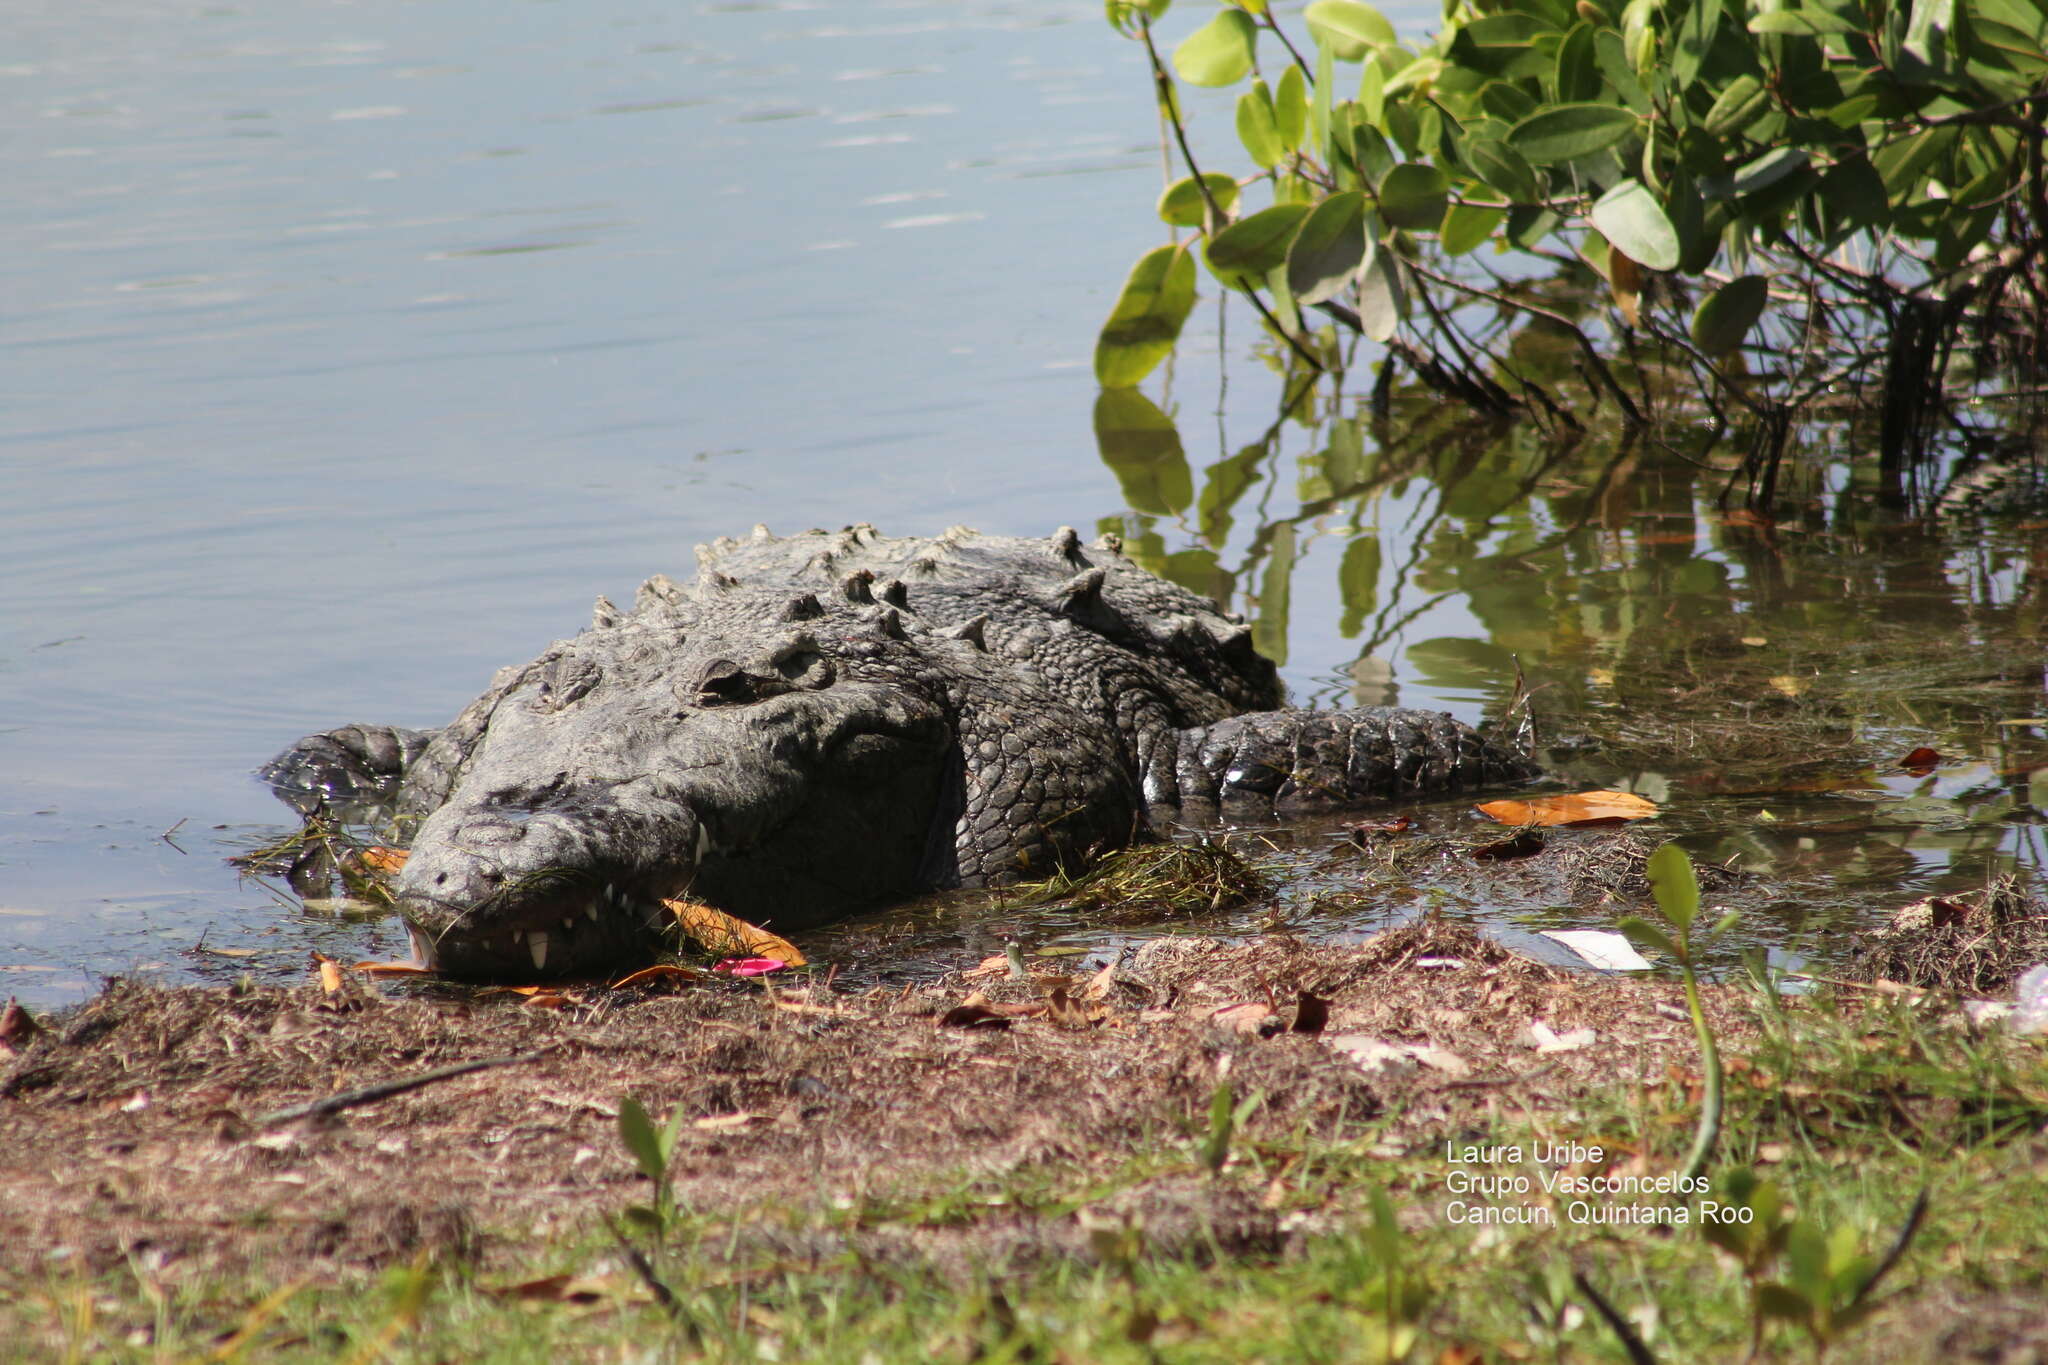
999,965
658,972
728,935
381,859
392,968
330,974
1572,808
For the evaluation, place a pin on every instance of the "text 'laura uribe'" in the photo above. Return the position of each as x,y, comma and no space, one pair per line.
1536,1182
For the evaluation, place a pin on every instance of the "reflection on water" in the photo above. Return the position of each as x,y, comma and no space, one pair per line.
354,349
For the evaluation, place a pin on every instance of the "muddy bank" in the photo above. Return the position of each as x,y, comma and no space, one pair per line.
149,1122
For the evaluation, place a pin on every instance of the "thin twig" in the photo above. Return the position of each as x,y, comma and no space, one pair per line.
384,1090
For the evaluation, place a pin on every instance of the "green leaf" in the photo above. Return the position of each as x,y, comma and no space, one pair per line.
1577,76
1219,52
1358,578
1780,1301
1900,164
1328,249
1805,23
1413,196
1351,29
1183,206
1566,132
1371,152
1929,34
1696,32
1467,226
1123,15
1630,217
1290,107
636,1130
1672,882
1320,99
1614,65
1644,934
1741,102
1141,445
1147,319
1258,243
1506,102
1372,90
1768,169
1505,169
1382,302
1257,128
1529,224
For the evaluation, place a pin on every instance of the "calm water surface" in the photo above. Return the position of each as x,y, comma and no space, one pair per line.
353,348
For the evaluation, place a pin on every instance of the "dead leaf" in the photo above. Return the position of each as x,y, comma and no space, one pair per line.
330,973
1625,278
721,933
997,966
978,1011
1921,761
1375,1054
1786,685
661,971
1544,1038
549,1000
1362,831
578,1289
18,1027
392,968
386,860
720,1122
1069,1011
1250,1016
1572,808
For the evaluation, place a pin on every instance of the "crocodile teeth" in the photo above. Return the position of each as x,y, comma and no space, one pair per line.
591,911
537,944
568,923
611,892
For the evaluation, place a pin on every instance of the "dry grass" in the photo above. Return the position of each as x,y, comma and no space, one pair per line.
136,1127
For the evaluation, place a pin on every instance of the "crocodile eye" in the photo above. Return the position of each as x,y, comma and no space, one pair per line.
725,683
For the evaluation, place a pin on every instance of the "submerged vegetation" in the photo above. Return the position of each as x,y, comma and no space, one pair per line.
1751,212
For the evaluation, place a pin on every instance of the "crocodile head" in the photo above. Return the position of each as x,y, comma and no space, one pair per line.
786,785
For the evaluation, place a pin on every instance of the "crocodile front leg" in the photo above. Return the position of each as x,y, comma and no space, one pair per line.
1324,760
355,765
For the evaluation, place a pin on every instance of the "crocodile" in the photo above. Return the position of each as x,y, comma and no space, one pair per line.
832,720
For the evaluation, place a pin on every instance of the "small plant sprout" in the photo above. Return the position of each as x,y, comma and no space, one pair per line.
651,1148
1677,893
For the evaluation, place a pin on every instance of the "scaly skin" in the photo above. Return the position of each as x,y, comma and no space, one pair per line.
830,721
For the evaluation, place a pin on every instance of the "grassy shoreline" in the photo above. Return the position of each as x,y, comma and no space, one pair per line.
1180,1176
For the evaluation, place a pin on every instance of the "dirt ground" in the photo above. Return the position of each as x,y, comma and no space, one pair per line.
158,1123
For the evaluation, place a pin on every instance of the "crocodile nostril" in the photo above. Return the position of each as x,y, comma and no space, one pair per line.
441,879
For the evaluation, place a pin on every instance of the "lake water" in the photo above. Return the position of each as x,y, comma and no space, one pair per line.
353,348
